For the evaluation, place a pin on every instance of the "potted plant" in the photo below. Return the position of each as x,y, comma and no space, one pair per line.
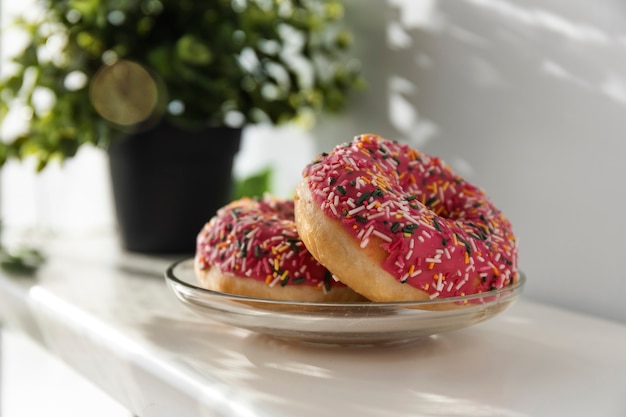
149,80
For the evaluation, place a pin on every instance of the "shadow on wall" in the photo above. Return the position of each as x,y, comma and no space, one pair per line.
525,99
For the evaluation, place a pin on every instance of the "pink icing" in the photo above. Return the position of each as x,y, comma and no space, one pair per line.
441,234
258,239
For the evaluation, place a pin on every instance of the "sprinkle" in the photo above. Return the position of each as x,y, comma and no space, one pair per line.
334,209
362,198
409,228
356,210
371,205
369,232
416,273
274,282
376,215
382,236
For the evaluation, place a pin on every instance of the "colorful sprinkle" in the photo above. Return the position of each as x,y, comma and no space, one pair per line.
258,239
421,212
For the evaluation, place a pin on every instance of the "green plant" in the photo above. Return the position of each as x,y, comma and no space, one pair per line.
255,185
24,260
96,69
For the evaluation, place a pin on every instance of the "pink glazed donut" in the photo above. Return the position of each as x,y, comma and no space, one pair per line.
395,224
251,247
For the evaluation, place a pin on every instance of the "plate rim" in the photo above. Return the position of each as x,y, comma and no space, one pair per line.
515,288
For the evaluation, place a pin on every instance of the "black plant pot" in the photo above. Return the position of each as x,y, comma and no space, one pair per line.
168,182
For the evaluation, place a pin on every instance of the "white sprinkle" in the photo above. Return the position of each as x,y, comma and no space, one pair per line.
375,215
434,295
411,243
364,243
382,236
440,283
416,273
463,281
433,260
372,205
404,278
421,239
251,234
356,210
426,234
274,281
447,252
369,232
497,257
321,193
429,226
334,210
409,254
450,286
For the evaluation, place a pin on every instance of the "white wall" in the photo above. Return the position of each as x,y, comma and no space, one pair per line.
526,98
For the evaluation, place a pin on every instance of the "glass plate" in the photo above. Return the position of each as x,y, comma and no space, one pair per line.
352,323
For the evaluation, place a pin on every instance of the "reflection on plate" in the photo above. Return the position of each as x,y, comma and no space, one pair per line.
354,323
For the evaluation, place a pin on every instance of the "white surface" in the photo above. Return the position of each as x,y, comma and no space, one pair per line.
113,319
35,383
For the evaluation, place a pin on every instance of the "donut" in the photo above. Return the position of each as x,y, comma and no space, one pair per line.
251,248
395,224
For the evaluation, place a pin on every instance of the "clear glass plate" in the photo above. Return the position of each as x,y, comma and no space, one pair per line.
353,323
